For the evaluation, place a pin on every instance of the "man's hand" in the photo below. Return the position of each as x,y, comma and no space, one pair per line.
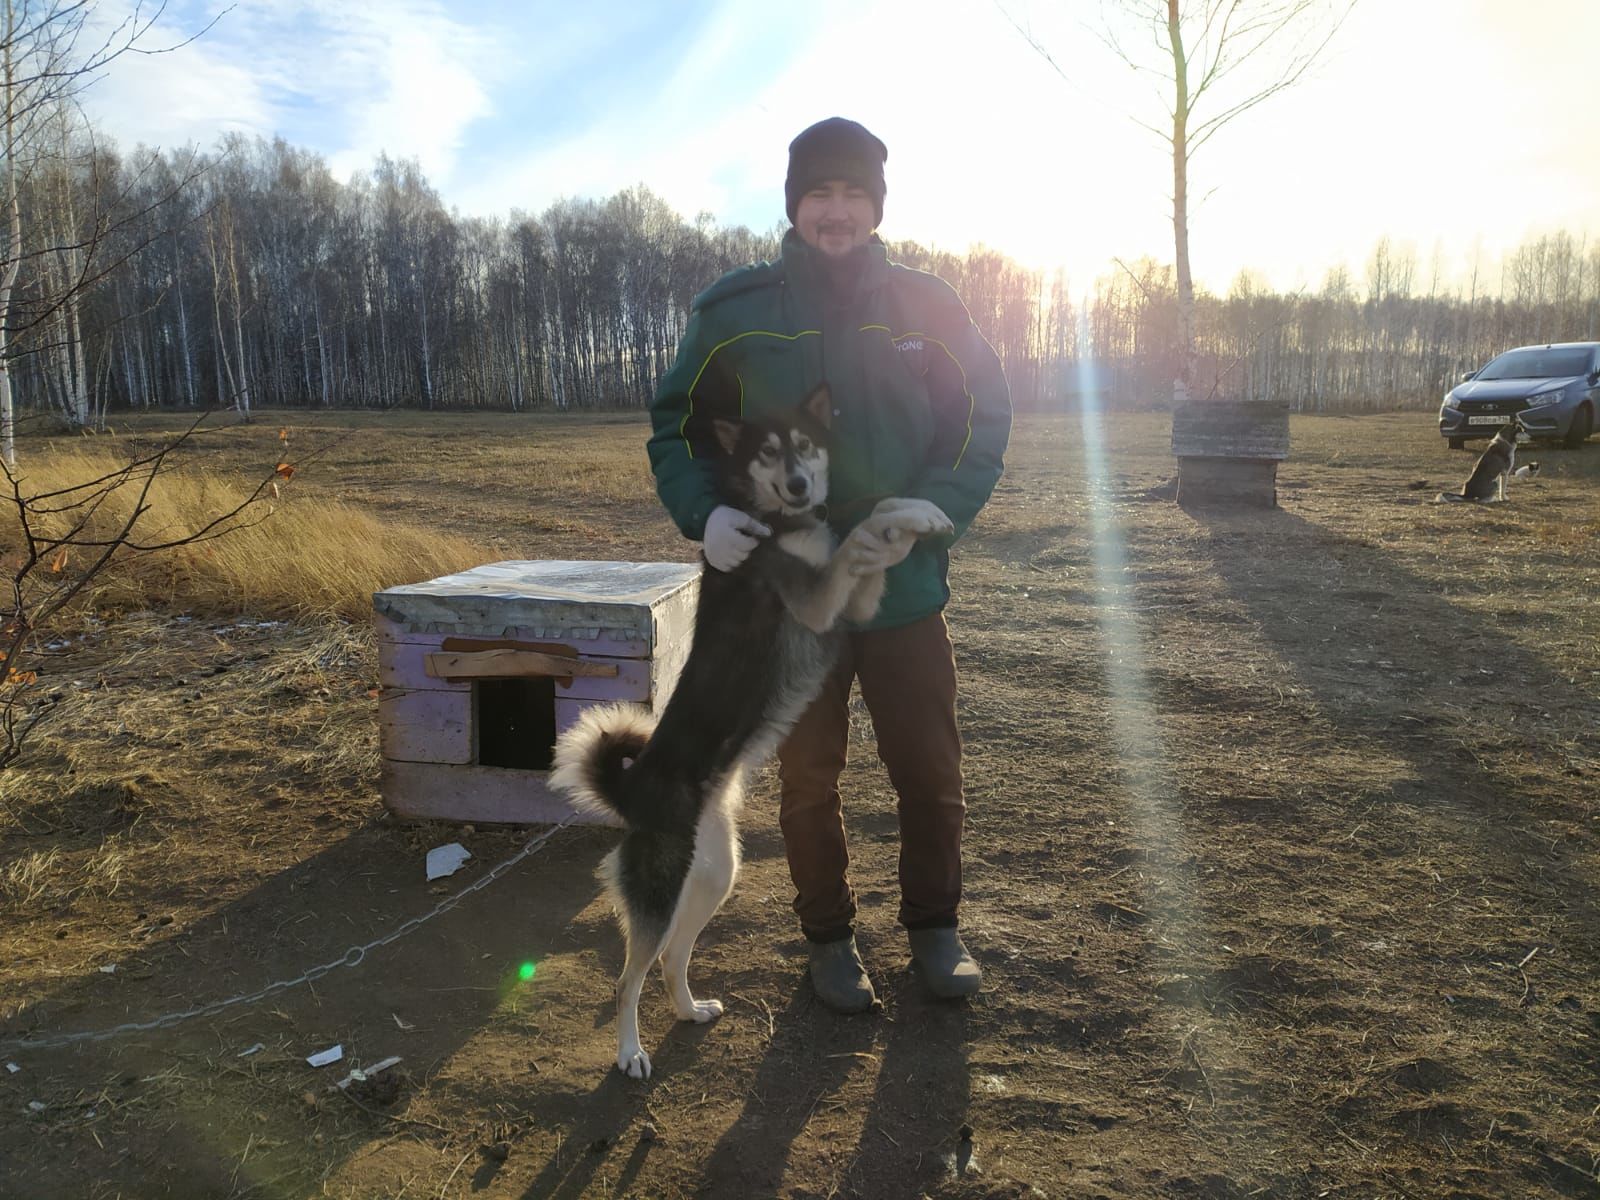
730,536
886,537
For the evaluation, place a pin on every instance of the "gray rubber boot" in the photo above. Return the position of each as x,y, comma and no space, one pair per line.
839,976
946,967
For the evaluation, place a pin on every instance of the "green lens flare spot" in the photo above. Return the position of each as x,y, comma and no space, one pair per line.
527,971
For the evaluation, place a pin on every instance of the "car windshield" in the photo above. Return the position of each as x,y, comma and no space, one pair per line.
1538,364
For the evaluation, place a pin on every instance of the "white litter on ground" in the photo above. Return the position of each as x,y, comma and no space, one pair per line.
362,1074
446,860
13,1068
323,1057
249,1052
109,969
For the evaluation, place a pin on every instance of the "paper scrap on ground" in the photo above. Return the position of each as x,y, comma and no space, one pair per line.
35,1106
446,860
13,1068
323,1058
362,1074
249,1052
109,969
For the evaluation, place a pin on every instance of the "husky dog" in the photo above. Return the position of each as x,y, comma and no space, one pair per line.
1498,461
764,642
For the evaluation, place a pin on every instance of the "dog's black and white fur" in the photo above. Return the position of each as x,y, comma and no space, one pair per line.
1495,465
764,641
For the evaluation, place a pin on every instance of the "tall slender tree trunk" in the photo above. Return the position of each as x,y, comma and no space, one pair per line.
1184,374
185,355
80,376
8,280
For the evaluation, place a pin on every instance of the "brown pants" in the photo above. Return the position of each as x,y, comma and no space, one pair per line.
908,680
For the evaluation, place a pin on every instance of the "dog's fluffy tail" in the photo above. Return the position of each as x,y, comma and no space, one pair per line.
592,756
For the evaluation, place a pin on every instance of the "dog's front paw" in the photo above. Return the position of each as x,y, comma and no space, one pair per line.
633,1062
920,518
701,1011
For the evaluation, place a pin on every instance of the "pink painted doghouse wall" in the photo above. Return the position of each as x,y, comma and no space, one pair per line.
481,670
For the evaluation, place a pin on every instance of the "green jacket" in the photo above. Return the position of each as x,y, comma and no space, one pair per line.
921,407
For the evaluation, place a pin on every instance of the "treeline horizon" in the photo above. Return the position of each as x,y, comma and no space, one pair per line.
250,276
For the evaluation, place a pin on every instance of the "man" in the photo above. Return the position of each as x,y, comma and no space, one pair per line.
921,410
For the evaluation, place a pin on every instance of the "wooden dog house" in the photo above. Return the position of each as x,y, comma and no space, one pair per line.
481,670
1228,451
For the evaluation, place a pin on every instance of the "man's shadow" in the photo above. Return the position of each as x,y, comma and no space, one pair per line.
916,1050
914,1135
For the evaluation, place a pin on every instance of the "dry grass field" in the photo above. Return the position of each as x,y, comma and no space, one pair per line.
1283,845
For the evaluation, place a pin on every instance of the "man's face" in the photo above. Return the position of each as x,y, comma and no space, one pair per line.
835,217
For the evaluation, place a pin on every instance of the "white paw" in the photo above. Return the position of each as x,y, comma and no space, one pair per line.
933,523
918,517
701,1011
633,1062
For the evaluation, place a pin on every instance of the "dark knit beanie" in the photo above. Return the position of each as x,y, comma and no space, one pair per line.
836,149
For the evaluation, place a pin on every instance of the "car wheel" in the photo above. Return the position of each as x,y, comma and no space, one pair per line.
1582,427
1457,443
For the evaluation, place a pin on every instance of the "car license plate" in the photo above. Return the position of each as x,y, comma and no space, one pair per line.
1487,420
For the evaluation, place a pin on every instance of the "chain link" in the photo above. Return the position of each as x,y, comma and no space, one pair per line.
353,957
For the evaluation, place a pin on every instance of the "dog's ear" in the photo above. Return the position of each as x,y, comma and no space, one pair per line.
820,405
727,433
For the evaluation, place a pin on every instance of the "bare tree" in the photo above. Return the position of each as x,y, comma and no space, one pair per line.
65,539
48,55
1197,49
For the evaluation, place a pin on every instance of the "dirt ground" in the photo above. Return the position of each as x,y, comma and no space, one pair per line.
1281,868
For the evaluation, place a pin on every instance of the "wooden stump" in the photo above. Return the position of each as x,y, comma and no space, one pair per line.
1228,452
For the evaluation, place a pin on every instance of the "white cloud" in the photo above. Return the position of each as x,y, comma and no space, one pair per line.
693,144
352,80
191,95
419,83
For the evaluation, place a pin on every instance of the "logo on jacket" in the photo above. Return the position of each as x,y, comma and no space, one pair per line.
910,344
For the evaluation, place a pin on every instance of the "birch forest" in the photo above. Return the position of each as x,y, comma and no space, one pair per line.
250,276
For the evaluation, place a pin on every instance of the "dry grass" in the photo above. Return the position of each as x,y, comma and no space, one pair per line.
24,881
283,556
49,876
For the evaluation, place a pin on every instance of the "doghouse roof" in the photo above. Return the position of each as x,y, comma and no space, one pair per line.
555,599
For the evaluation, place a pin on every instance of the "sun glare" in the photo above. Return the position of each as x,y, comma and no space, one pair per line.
1144,776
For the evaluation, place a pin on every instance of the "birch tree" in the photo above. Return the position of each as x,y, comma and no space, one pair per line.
45,63
1213,61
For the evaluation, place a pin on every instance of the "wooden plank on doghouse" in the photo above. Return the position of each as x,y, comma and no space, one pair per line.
428,726
404,666
520,664
494,795
631,682
601,645
401,665
627,678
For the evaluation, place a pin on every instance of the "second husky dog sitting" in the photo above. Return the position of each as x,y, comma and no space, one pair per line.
1498,461
764,642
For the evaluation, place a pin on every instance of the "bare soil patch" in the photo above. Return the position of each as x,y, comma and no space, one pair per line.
1282,864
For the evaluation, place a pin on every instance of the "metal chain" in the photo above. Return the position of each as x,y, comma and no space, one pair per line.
350,958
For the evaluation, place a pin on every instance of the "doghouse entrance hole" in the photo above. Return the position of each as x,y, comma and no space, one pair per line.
516,722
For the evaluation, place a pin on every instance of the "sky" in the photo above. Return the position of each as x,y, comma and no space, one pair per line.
1456,128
